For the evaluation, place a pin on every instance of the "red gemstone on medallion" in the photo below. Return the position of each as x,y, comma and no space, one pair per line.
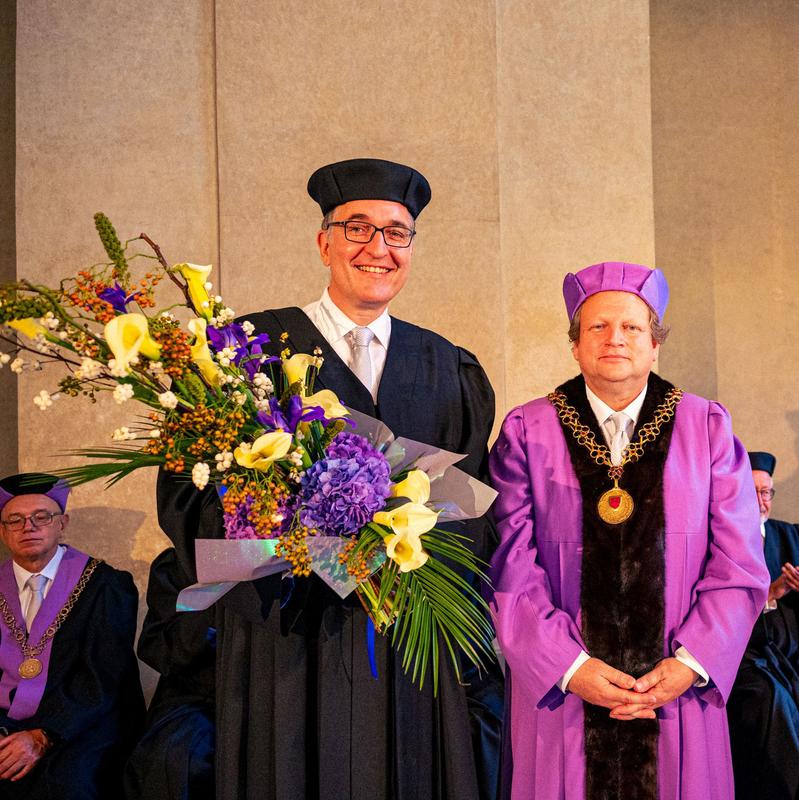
615,501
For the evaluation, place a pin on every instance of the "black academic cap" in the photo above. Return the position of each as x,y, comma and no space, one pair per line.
763,461
369,179
34,483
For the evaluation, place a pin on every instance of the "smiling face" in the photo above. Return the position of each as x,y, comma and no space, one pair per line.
615,350
32,547
365,278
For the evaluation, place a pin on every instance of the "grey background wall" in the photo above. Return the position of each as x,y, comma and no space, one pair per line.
555,133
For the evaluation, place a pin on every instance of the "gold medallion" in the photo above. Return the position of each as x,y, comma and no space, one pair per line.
30,668
615,506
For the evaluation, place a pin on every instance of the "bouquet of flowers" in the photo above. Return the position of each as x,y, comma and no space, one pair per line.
306,485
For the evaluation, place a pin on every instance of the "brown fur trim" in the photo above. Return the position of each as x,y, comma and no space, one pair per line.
622,597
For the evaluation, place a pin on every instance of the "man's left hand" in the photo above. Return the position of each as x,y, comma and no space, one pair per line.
20,751
667,681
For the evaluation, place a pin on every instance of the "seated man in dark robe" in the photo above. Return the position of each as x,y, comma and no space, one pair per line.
299,713
71,703
764,705
175,758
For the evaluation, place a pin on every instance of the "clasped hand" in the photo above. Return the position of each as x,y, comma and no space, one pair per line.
629,698
19,753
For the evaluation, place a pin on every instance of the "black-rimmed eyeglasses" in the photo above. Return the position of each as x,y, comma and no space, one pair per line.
39,519
364,232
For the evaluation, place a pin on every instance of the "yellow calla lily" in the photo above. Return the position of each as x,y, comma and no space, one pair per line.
406,550
201,353
128,335
329,403
29,327
296,368
196,277
412,518
416,487
264,450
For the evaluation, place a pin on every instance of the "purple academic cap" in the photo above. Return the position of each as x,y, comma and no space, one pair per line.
34,483
616,276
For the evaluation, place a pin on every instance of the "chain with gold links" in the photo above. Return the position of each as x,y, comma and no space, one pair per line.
31,666
622,506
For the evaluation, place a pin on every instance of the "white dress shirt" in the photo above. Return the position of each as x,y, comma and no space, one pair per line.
22,575
603,412
336,327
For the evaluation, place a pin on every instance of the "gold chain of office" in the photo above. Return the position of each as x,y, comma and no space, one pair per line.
615,505
31,665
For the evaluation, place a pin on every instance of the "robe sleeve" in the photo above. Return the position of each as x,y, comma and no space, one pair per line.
185,513
540,641
173,643
478,403
105,673
733,586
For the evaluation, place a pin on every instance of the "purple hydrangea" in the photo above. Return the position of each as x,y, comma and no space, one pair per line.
342,492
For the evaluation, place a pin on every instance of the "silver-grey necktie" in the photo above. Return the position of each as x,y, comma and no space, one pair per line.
35,584
619,438
361,360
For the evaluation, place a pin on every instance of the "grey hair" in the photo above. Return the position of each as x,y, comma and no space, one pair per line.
659,331
328,218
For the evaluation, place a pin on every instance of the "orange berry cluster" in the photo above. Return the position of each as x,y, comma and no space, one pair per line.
83,343
144,295
294,548
175,349
84,295
357,566
266,509
207,430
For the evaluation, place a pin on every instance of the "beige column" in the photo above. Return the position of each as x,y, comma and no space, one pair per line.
114,113
8,382
725,92
575,167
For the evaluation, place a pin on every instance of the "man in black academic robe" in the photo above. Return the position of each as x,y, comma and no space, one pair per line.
299,714
763,709
92,707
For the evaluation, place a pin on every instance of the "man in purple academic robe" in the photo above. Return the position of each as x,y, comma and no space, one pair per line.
70,698
630,569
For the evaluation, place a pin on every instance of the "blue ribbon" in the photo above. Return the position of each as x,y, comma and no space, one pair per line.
370,646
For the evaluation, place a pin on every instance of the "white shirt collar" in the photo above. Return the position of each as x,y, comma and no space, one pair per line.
49,572
338,324
602,410
763,529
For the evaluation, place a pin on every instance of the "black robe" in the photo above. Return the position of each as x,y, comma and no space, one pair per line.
92,705
174,759
299,714
763,709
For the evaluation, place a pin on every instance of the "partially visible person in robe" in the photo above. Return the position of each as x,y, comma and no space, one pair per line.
764,705
299,714
174,760
629,570
71,704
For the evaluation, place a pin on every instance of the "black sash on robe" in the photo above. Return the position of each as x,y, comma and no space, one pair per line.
622,596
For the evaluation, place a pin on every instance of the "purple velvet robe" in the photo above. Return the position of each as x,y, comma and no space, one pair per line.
716,585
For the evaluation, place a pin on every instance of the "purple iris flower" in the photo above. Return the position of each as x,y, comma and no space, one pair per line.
293,416
231,335
251,357
247,352
117,298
